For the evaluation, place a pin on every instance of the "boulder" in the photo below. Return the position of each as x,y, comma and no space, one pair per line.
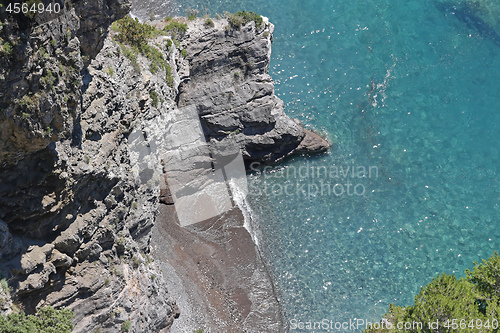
35,257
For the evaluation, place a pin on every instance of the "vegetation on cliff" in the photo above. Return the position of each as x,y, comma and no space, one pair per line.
175,28
134,33
469,304
137,35
46,320
239,19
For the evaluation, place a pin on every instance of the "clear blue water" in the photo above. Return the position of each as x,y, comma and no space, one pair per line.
409,91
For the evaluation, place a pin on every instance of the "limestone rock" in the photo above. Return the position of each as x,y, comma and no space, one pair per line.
68,173
67,242
230,86
6,304
165,194
312,144
36,281
59,259
34,257
9,245
90,251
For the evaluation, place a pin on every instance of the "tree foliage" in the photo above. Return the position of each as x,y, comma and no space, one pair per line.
46,320
134,33
175,28
470,304
486,277
240,19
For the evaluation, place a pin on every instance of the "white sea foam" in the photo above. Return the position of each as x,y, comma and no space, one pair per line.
241,200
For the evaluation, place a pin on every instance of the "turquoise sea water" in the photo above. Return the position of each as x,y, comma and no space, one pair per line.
404,90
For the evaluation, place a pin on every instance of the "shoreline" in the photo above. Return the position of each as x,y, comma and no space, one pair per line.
217,275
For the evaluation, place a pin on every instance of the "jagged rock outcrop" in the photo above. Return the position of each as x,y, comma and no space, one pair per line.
229,84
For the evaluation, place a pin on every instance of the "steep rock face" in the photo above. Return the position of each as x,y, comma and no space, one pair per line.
82,241
39,87
228,81
41,59
95,16
75,208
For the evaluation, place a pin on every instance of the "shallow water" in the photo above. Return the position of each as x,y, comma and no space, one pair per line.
407,91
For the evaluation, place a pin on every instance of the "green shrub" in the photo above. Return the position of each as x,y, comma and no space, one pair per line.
131,55
192,13
29,102
126,326
110,71
176,29
154,98
46,320
168,46
448,300
486,276
134,33
43,53
169,77
48,131
240,19
184,53
7,48
209,23
5,285
115,27
48,79
136,262
155,56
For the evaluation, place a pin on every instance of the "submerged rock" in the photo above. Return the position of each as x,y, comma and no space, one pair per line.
483,16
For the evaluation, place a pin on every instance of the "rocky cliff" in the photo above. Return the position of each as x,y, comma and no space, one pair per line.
228,81
82,120
75,218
